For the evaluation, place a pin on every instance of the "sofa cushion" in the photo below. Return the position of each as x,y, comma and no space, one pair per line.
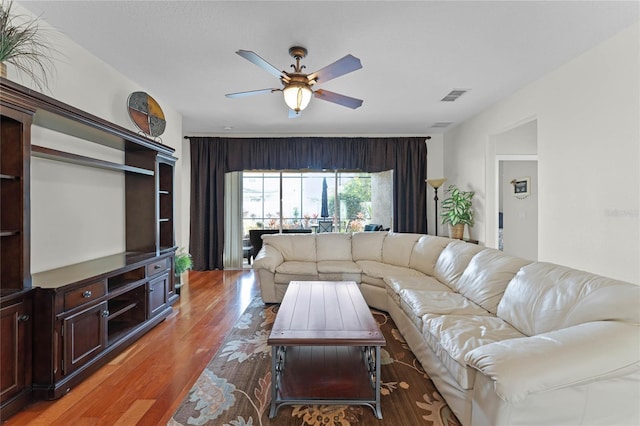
452,336
367,245
330,266
425,253
543,297
373,281
285,279
340,276
397,248
417,303
424,302
294,247
453,260
487,276
397,283
379,270
333,246
298,268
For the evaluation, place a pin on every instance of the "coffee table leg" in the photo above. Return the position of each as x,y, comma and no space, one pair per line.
372,362
277,367
378,408
274,380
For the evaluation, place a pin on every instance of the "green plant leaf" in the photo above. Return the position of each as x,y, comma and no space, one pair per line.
183,261
457,208
25,45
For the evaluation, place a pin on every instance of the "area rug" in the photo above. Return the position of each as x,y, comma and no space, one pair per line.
235,387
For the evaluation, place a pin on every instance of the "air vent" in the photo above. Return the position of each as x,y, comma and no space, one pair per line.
454,95
442,124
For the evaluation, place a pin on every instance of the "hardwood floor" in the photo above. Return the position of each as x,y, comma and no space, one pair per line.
146,383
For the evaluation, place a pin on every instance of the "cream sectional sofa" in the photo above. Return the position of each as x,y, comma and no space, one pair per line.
506,341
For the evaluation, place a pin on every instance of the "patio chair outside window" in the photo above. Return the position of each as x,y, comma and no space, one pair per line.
325,226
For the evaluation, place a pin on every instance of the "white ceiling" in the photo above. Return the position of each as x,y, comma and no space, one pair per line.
413,54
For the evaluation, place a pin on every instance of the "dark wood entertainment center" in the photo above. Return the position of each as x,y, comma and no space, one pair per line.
61,325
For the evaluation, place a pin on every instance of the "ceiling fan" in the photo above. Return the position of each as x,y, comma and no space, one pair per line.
297,86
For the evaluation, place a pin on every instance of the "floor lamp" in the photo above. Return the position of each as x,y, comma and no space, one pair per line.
436,183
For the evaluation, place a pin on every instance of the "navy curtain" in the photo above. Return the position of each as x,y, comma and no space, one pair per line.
212,157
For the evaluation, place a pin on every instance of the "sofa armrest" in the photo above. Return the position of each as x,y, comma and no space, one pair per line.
574,355
268,258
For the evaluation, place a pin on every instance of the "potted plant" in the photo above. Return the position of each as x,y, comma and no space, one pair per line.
456,210
24,45
183,262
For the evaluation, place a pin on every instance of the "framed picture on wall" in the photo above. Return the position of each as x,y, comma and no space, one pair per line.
522,187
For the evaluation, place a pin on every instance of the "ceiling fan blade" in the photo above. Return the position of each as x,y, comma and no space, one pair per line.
340,67
337,98
250,93
255,59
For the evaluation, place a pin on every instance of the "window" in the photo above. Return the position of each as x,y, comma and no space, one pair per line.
293,200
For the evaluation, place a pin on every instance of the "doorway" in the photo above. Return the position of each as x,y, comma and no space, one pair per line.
512,190
518,207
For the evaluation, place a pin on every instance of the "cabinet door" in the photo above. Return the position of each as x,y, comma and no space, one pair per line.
84,336
158,288
15,348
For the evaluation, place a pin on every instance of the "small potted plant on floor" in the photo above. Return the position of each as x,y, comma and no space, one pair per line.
183,263
457,211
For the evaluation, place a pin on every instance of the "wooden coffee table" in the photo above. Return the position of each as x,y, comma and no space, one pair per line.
325,347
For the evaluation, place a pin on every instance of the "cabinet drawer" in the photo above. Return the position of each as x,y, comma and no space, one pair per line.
157,267
83,295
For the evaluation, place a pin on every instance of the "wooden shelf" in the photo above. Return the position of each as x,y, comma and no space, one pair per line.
121,308
10,293
123,287
54,154
96,268
15,278
63,118
166,249
90,311
119,330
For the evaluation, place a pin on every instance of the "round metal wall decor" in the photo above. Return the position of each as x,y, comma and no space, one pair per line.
146,114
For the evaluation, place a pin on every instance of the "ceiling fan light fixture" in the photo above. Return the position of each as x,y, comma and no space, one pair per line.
297,96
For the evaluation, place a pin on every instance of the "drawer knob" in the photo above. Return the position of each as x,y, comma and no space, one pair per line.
157,266
151,289
23,318
87,294
105,313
